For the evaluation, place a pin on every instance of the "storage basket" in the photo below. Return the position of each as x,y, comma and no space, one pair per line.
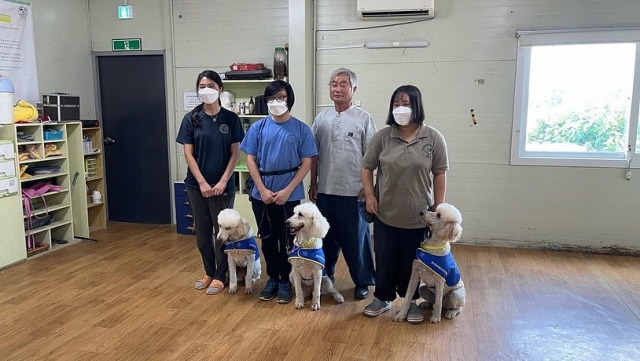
52,134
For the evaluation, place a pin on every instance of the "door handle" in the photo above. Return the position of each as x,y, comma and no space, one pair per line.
108,141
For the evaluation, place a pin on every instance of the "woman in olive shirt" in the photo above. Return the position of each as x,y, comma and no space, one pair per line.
412,163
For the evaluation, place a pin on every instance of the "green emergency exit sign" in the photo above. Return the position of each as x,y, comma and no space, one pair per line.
126,44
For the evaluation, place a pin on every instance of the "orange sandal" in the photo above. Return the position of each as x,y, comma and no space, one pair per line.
203,283
215,287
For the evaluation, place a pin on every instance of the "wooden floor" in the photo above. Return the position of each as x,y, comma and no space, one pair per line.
130,296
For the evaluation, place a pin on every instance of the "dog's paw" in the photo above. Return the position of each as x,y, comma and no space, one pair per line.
435,319
451,313
315,307
299,305
399,317
248,290
425,305
339,298
233,289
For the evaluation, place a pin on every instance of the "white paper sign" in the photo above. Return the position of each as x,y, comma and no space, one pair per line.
191,100
17,50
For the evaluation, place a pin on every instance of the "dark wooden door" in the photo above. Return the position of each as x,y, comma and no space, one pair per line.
133,103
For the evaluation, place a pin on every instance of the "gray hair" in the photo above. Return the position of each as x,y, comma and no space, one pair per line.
352,76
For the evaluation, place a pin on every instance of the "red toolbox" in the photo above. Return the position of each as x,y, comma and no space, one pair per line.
247,66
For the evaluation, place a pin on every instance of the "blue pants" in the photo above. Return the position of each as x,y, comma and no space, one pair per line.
274,235
349,232
395,251
205,215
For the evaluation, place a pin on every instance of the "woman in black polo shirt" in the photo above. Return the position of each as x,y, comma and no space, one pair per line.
211,136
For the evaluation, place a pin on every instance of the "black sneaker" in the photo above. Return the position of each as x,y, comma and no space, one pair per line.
284,292
270,290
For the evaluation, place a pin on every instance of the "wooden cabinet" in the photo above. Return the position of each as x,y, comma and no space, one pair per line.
50,161
93,152
243,90
12,248
184,215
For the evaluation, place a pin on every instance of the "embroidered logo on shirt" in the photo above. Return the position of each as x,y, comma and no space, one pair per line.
426,150
224,129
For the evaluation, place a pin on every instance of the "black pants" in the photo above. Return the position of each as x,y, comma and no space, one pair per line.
274,236
395,250
349,233
205,215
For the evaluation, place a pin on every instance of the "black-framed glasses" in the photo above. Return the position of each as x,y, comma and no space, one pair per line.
278,97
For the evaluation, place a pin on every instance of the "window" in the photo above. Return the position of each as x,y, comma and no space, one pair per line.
576,98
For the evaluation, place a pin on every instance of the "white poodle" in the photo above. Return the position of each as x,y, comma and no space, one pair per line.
241,249
307,257
435,266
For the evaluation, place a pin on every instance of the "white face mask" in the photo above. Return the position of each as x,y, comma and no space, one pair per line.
208,95
402,115
277,107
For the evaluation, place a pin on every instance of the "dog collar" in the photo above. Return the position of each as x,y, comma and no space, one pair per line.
307,244
429,247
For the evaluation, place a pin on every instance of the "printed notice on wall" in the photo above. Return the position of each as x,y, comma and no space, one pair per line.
191,100
17,50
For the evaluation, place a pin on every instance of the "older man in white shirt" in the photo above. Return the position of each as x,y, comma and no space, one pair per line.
342,134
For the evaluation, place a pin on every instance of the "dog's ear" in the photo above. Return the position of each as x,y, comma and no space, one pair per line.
450,231
320,225
245,228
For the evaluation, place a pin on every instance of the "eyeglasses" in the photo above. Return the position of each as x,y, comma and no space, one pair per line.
278,97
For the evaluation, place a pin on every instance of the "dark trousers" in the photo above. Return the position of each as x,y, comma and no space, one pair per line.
274,236
395,250
205,215
349,232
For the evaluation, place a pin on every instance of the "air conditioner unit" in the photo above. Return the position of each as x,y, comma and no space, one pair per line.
374,9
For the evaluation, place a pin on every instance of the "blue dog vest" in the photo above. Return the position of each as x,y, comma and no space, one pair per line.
248,244
445,266
315,255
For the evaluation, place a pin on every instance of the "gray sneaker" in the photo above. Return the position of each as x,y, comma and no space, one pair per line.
377,307
415,314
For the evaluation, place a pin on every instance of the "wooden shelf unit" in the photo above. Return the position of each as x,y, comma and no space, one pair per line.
95,177
66,207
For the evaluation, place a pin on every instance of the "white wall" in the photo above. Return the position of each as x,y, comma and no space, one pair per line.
214,34
474,39
560,207
62,41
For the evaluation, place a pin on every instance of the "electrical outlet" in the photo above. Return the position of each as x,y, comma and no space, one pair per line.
357,103
627,174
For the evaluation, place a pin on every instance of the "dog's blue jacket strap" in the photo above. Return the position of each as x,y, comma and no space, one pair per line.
315,255
246,244
445,266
